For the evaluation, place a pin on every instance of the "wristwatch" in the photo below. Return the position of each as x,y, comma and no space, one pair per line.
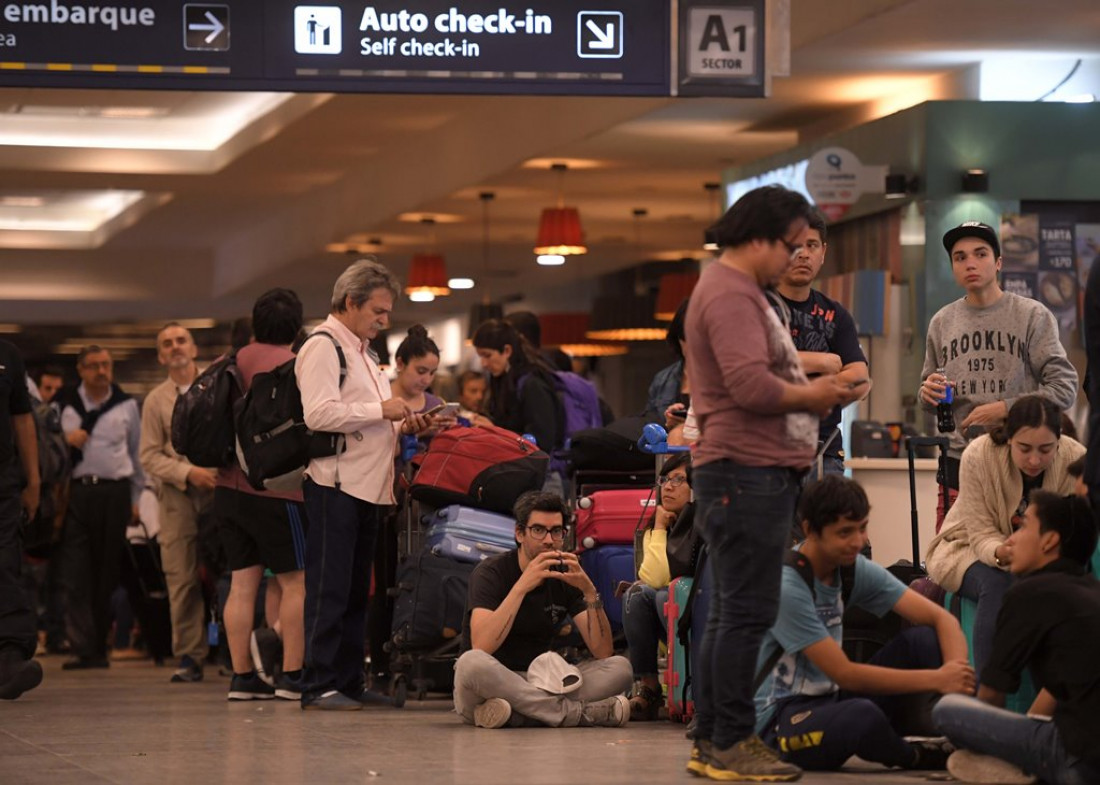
595,605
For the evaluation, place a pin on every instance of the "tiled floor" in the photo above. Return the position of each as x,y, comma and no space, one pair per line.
129,725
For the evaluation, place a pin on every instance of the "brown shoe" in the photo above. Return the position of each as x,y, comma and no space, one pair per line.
645,704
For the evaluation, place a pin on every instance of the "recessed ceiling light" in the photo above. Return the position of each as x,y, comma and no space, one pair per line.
461,283
421,297
21,201
550,260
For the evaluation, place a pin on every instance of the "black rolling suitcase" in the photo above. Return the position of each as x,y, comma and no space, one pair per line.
143,578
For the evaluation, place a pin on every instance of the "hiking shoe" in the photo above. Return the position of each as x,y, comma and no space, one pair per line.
247,687
932,753
967,766
333,700
493,713
700,757
267,653
23,677
611,712
750,760
645,704
188,672
288,688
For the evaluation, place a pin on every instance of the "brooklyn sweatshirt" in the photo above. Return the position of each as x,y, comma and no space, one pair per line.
998,353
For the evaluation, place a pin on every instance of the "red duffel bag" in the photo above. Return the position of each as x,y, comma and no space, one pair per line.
483,467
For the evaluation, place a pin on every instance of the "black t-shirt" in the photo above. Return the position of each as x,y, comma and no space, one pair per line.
1050,621
14,398
821,324
540,616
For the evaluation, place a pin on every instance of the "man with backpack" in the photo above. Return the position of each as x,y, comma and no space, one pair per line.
184,492
19,489
347,489
103,427
816,707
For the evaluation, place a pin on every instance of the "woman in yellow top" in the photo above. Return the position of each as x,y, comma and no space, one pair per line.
669,550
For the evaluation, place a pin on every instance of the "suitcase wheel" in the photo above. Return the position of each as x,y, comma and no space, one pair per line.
584,502
399,690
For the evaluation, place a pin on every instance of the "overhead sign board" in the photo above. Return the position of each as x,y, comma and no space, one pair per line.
598,47
721,48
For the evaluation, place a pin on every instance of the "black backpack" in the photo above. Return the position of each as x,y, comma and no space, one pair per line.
202,420
273,443
53,471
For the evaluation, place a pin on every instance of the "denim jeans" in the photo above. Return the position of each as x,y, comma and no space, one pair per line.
1033,745
743,514
986,586
339,557
645,626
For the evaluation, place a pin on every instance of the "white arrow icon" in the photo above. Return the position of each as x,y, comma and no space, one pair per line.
215,27
604,39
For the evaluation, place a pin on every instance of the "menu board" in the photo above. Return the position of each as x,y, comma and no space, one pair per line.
1040,261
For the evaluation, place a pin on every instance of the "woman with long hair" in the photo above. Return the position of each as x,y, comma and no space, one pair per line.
521,386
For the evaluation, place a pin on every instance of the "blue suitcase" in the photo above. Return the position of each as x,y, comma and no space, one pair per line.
606,566
469,535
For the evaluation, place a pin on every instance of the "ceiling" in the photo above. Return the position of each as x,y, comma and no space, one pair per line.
245,192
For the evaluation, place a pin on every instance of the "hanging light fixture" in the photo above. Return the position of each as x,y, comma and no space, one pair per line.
673,289
560,232
427,273
566,331
486,309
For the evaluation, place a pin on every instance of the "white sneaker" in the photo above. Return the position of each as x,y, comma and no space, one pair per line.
493,713
967,766
611,712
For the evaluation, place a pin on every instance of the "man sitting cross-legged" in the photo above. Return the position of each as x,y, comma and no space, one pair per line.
518,603
817,707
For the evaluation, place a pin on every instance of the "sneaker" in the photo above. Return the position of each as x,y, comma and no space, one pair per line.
611,712
932,753
967,766
85,663
21,677
645,704
288,688
493,713
700,757
247,687
267,653
750,760
333,700
188,672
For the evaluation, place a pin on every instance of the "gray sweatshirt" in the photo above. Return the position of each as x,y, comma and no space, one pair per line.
999,353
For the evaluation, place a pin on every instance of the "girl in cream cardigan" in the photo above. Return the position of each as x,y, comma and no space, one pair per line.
999,470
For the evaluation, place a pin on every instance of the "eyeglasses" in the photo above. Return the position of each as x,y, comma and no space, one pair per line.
539,532
672,480
791,248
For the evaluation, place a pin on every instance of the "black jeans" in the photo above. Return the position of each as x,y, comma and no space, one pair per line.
17,618
339,555
88,565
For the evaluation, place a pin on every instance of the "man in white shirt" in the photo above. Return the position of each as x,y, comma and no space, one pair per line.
345,494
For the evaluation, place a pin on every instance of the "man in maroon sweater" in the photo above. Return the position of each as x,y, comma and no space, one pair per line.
759,419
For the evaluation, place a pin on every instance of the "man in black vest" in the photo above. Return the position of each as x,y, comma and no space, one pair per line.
103,426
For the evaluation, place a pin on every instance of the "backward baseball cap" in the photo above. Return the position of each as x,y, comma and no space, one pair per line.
977,229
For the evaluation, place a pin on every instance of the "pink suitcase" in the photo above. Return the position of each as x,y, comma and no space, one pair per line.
611,517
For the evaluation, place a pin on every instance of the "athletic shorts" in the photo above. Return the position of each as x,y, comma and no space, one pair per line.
257,530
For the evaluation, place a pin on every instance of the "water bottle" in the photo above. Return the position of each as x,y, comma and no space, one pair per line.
945,413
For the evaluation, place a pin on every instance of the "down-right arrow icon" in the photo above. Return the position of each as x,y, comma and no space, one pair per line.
600,34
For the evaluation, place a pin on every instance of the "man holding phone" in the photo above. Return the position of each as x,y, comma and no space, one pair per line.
518,603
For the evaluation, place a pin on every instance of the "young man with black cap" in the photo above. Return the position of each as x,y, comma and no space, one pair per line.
993,346
1050,624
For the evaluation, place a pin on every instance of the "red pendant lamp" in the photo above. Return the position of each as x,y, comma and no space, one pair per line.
673,289
560,232
427,274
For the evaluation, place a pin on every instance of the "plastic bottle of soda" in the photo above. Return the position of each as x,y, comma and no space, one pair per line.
945,414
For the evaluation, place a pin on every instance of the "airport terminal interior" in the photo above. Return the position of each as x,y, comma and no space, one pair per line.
129,200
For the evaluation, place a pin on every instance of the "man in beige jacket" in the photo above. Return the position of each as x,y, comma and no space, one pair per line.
184,492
